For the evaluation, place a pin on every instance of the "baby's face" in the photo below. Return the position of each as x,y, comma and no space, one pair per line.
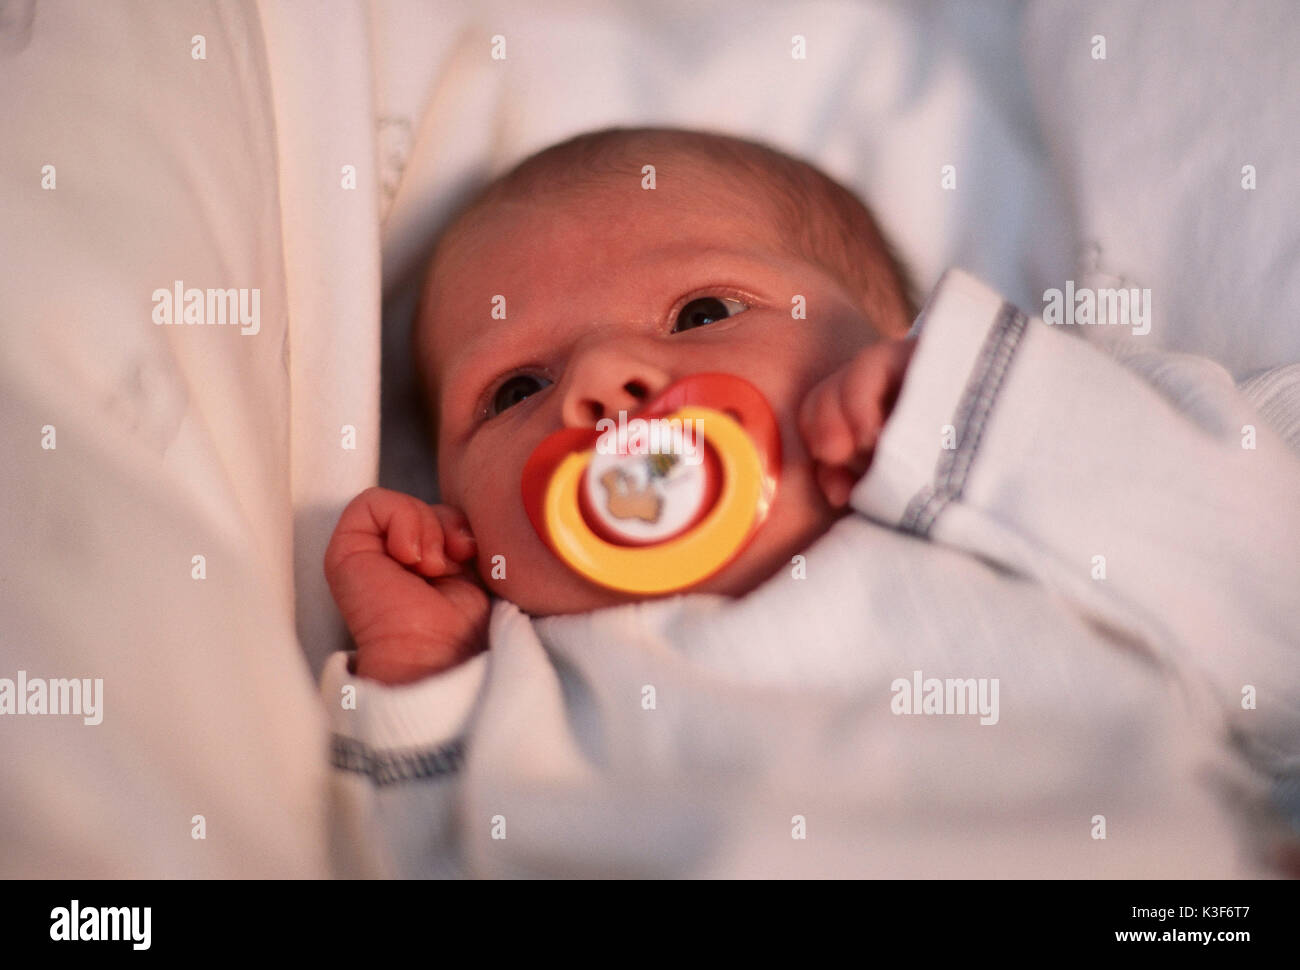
595,283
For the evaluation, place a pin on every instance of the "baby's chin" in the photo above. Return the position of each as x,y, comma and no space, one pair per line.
772,550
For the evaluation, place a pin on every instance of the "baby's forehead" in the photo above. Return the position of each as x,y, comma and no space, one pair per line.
654,168
593,237
685,189
683,197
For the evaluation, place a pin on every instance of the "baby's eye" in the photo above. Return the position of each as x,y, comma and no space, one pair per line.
515,390
706,310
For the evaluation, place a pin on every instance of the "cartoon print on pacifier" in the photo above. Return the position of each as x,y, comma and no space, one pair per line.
650,488
662,501
625,498
632,496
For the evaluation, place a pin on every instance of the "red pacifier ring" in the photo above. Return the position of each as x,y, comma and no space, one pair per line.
663,500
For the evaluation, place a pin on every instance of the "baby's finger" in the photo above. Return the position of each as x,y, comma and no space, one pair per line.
822,423
457,538
900,358
433,557
836,483
402,532
862,395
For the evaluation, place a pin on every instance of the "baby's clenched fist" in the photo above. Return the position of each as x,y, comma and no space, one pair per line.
398,570
842,416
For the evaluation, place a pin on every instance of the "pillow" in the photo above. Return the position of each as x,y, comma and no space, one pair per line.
1172,124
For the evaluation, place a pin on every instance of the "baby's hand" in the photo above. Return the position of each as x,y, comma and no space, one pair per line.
842,416
405,626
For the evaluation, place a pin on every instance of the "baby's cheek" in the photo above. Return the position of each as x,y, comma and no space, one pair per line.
516,566
512,561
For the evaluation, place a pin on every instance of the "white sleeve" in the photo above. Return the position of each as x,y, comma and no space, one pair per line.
1161,506
397,754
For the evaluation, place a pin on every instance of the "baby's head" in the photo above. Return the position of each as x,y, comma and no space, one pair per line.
729,257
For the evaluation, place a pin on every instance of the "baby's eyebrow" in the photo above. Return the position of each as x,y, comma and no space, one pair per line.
682,264
472,365
502,340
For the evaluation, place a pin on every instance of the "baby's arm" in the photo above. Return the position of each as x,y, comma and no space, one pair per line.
394,568
1161,505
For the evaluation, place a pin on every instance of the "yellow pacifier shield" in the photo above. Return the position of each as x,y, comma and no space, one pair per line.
678,562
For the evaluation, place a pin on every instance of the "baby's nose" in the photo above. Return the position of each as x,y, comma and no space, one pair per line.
604,381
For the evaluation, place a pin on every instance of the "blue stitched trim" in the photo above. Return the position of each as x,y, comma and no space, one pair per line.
972,414
391,767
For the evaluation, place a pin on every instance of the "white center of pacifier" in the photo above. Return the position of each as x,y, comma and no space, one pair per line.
646,497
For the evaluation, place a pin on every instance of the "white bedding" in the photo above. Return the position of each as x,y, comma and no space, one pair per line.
1154,144
229,171
170,443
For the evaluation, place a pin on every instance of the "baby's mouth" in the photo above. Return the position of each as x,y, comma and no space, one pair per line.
658,501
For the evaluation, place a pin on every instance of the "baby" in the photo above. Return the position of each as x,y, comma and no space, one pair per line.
615,287
967,493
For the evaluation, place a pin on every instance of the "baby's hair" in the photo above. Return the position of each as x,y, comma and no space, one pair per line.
817,218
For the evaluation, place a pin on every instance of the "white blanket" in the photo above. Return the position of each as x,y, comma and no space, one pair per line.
148,532
1172,122
760,736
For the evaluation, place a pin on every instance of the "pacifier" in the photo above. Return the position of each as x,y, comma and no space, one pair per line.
661,501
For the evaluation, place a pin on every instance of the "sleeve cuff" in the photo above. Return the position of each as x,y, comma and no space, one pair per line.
966,336
430,711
